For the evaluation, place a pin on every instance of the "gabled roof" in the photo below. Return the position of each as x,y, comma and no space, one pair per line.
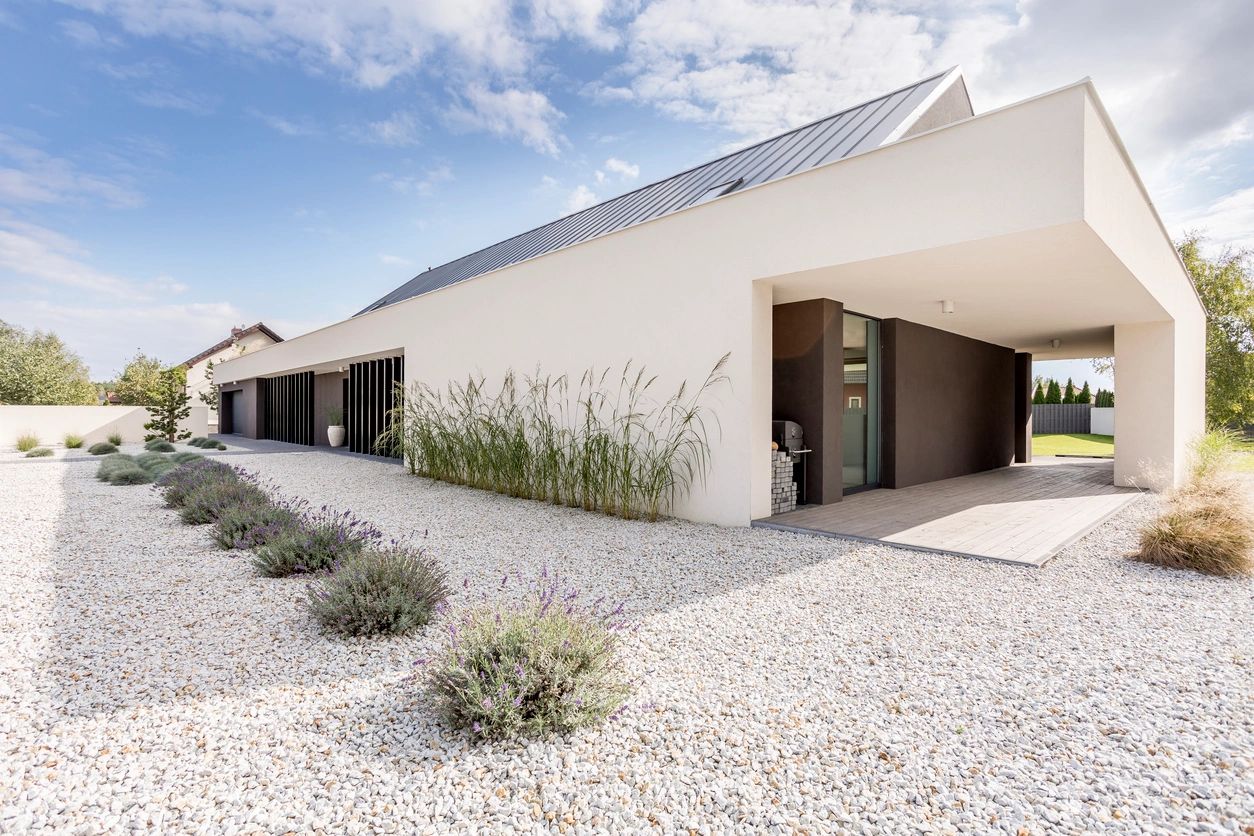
852,131
237,334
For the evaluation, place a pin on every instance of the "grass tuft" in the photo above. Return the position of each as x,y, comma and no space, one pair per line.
390,590
547,666
27,442
115,439
102,448
1208,524
132,474
598,446
38,453
73,442
159,445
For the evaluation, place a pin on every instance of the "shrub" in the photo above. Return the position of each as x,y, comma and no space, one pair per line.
176,485
159,445
219,445
38,453
149,458
317,541
132,474
599,447
159,467
252,524
1208,524
546,666
382,590
27,442
115,439
185,457
73,442
113,462
169,406
198,441
101,448
207,502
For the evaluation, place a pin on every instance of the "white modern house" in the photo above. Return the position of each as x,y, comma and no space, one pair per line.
241,340
905,246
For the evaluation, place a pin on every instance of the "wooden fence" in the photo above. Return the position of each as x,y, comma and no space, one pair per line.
1061,418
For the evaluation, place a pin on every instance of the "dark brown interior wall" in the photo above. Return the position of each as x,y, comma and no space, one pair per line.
1023,407
328,391
247,390
808,373
948,404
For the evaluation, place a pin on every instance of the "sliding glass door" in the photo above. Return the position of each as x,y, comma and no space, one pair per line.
860,403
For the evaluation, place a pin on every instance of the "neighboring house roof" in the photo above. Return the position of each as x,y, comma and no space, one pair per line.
852,131
237,334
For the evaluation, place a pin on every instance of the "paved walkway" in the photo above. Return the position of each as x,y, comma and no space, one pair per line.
1021,514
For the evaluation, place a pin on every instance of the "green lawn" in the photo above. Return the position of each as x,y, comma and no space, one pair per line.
1075,444
1245,455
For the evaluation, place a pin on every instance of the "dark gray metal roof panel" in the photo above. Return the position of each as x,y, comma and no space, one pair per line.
834,137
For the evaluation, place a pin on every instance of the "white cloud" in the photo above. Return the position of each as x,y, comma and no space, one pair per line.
394,260
421,185
527,115
581,198
187,102
85,34
31,175
624,169
39,253
284,125
398,130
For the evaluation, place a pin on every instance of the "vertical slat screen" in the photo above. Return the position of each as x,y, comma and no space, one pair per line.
371,397
289,408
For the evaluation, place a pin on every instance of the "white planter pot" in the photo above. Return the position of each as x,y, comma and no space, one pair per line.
335,436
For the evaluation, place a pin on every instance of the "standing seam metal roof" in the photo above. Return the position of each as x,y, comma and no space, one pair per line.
860,128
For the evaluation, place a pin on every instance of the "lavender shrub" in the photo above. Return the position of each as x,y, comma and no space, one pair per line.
392,590
548,665
316,542
179,483
253,524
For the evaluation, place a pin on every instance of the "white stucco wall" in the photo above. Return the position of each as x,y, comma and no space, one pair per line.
51,424
1102,420
679,292
198,382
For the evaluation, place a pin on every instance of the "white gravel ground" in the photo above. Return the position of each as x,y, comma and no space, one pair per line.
151,682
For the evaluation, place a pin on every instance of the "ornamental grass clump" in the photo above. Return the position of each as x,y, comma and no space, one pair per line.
549,665
73,442
208,502
159,445
598,445
253,524
198,441
38,453
131,474
27,442
383,590
185,457
115,439
102,448
148,459
1207,524
111,463
316,542
179,483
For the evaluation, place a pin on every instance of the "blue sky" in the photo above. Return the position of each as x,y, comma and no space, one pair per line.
169,168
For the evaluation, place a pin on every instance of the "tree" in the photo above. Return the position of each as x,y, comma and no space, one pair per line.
169,407
1039,395
36,368
140,382
1086,395
1068,394
1104,398
1053,394
1226,287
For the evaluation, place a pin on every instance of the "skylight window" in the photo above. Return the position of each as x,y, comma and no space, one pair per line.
717,191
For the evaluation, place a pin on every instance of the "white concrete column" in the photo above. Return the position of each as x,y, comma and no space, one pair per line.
1160,400
762,306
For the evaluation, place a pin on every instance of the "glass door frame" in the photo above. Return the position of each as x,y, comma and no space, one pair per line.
879,397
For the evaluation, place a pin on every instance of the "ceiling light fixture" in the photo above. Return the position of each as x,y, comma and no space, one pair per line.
947,306
1055,343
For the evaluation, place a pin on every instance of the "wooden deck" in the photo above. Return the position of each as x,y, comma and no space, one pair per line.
1023,514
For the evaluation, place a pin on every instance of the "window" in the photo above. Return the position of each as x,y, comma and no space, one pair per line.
855,403
717,191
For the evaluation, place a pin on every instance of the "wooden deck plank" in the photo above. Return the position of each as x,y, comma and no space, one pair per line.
1022,514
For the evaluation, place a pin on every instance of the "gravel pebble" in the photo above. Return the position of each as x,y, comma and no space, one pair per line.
149,681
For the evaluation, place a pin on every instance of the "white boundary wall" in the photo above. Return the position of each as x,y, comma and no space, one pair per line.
1102,420
51,424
